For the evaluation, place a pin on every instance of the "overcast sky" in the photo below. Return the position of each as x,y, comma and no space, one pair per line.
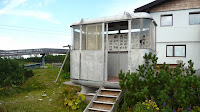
27,24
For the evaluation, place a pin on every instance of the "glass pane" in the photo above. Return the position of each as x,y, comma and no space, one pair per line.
140,33
83,37
94,37
179,50
169,50
166,20
195,18
76,37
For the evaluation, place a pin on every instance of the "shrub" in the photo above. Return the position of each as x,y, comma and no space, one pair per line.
66,67
66,75
12,73
178,87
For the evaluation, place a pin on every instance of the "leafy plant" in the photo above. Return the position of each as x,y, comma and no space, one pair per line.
75,102
147,106
178,87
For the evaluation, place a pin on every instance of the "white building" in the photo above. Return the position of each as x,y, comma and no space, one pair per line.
178,30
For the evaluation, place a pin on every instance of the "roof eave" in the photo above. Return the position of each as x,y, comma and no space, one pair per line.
145,8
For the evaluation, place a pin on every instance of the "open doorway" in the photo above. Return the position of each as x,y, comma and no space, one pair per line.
117,49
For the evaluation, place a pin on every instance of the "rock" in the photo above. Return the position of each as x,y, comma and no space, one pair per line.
40,99
50,99
26,96
44,95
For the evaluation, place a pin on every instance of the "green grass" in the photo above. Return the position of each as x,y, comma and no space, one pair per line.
25,98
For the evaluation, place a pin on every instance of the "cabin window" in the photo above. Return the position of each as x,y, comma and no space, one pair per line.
166,20
140,33
92,37
76,34
194,18
176,51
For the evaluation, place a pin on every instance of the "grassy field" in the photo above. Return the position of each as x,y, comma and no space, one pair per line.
39,94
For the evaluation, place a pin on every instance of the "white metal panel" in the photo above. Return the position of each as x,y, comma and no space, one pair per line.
113,64
136,58
117,61
74,64
114,18
92,62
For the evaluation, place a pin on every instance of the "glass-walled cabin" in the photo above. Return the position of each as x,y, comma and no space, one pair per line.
102,47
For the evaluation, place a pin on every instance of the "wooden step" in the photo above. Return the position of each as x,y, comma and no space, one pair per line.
106,99
110,93
100,102
107,96
97,110
101,106
107,89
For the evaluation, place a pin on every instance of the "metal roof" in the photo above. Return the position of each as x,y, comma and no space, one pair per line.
122,17
145,8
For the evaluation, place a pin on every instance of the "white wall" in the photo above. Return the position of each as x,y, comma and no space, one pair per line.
181,33
181,29
192,53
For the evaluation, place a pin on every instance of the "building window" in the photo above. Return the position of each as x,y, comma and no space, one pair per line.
194,18
176,51
166,20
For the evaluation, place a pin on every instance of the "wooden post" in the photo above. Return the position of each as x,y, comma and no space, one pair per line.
63,63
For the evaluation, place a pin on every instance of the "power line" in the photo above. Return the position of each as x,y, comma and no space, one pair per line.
30,28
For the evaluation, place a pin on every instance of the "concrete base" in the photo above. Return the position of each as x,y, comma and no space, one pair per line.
96,84
89,92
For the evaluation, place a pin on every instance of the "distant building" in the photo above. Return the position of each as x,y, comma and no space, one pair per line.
178,30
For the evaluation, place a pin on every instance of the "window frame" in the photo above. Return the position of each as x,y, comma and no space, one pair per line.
173,53
164,16
193,13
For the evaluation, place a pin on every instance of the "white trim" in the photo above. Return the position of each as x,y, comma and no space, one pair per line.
121,17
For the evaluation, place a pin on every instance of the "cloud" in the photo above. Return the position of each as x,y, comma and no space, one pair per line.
5,1
35,14
10,9
46,2
11,5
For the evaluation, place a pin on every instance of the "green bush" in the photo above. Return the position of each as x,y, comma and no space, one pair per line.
66,75
12,73
177,87
66,67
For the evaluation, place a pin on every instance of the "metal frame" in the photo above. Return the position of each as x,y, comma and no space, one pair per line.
198,12
164,16
174,50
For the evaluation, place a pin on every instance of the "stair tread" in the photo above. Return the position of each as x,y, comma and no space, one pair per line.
107,96
111,93
105,89
102,106
99,109
106,99
103,102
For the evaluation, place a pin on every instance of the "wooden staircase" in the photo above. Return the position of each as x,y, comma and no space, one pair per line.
104,100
